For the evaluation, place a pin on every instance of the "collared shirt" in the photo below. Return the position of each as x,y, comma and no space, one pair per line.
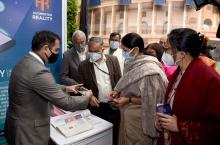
82,56
103,80
36,56
118,54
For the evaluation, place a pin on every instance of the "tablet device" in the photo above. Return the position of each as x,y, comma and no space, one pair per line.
5,42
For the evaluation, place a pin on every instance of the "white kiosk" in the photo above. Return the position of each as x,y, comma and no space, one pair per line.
100,134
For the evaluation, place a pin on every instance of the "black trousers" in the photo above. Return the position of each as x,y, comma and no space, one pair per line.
110,113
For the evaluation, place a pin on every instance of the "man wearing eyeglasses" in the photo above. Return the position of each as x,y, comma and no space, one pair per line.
100,73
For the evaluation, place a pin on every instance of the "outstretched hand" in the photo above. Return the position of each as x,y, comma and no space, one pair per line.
113,95
73,88
121,101
94,101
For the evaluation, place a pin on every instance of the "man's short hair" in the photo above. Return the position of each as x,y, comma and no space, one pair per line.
113,34
42,38
78,33
98,40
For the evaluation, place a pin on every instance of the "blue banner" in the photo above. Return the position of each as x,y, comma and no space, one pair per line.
124,2
20,19
189,2
93,3
159,2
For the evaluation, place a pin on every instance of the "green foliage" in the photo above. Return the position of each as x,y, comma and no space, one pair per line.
72,9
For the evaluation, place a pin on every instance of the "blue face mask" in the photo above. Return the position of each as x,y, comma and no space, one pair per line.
94,56
127,56
113,44
168,59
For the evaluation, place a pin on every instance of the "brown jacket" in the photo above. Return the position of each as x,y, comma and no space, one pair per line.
88,77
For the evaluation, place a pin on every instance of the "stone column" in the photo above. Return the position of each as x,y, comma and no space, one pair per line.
139,18
169,19
184,15
199,25
101,22
153,20
125,21
113,19
215,19
92,22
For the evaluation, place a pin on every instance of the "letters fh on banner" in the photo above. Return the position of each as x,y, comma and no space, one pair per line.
42,4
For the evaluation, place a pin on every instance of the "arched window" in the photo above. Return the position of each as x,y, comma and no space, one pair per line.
165,27
207,24
120,28
144,27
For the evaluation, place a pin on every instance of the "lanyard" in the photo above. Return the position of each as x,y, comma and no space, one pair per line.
101,69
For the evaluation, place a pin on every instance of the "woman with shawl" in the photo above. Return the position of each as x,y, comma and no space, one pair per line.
141,87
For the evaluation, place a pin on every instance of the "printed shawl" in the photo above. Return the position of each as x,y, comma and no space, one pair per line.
148,70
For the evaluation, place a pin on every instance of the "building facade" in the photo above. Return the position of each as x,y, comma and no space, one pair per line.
149,19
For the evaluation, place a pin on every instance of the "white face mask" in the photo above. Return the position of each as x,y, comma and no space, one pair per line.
168,59
95,56
127,55
113,44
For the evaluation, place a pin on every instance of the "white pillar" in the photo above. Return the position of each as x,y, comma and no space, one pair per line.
169,20
113,19
184,15
125,22
215,19
92,22
101,22
199,26
153,20
139,17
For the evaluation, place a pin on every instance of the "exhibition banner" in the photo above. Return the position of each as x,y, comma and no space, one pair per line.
20,20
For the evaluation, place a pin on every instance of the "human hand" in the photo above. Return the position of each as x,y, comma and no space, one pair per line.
168,122
121,101
157,124
113,95
94,101
87,93
73,88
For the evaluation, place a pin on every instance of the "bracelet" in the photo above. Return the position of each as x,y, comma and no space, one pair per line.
129,100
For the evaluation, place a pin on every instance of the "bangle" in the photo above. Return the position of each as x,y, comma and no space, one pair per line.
129,99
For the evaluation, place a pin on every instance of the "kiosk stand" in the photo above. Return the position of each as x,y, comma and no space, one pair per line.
100,134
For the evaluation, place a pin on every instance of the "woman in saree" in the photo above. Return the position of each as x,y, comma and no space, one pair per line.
141,87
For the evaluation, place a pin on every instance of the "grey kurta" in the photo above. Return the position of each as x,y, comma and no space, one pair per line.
143,77
31,88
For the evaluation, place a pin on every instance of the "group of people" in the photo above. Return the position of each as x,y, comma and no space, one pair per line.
125,83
